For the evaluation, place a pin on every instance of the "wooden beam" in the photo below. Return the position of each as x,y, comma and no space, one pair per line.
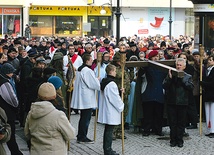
162,65
166,68
145,63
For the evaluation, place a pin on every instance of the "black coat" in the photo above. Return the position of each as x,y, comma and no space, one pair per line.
177,90
208,87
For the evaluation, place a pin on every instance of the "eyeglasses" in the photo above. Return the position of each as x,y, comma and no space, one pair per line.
71,48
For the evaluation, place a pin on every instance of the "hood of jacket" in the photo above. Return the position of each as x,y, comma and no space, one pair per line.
106,81
41,109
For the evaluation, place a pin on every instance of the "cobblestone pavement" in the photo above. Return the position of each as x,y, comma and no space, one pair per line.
135,144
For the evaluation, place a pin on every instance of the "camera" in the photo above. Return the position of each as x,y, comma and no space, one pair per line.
2,130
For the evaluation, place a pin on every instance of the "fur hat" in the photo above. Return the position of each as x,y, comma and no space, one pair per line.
7,68
152,54
132,44
106,41
56,81
47,91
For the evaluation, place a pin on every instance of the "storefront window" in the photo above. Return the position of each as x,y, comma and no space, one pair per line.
100,26
68,25
209,32
11,24
41,25
1,25
189,22
51,25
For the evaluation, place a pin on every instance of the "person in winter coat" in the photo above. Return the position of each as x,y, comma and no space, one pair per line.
208,86
5,131
47,128
110,108
84,96
177,92
9,102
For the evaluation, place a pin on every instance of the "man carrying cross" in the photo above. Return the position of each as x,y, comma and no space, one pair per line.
177,92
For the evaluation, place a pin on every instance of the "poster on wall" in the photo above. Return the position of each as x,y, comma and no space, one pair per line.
158,20
146,21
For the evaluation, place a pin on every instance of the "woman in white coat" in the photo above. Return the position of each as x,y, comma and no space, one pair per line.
110,108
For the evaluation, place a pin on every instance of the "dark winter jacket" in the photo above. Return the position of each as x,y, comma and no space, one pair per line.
177,90
208,87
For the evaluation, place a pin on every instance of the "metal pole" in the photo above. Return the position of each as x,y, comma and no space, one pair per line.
118,14
170,20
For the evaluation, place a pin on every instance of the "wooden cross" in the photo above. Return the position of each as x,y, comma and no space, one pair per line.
162,65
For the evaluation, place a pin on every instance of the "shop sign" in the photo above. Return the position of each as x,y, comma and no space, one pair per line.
57,10
13,11
203,8
0,10
143,31
95,10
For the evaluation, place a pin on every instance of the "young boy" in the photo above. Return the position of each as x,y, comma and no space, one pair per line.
110,108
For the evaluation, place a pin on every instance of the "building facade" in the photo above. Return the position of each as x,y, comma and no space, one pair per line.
84,18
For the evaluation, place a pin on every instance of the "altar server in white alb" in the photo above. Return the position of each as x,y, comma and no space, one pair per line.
75,58
110,108
208,95
84,96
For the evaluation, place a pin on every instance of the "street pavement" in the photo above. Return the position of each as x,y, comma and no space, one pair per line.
135,144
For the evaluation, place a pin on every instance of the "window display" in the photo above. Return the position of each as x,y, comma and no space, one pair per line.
68,25
11,24
51,25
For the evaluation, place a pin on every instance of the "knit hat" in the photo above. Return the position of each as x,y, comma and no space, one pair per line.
56,81
153,54
47,91
116,56
7,68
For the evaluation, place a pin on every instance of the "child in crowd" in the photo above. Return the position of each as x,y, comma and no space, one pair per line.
110,108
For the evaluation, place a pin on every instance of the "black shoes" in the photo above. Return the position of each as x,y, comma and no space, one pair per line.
173,144
180,145
192,127
111,153
159,133
85,141
145,134
210,135
185,134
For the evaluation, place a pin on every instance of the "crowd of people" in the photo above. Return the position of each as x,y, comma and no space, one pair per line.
42,80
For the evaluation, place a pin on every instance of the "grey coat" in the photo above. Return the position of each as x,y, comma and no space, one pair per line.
3,122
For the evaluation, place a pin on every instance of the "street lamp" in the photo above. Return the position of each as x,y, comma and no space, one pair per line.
103,11
170,20
118,14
